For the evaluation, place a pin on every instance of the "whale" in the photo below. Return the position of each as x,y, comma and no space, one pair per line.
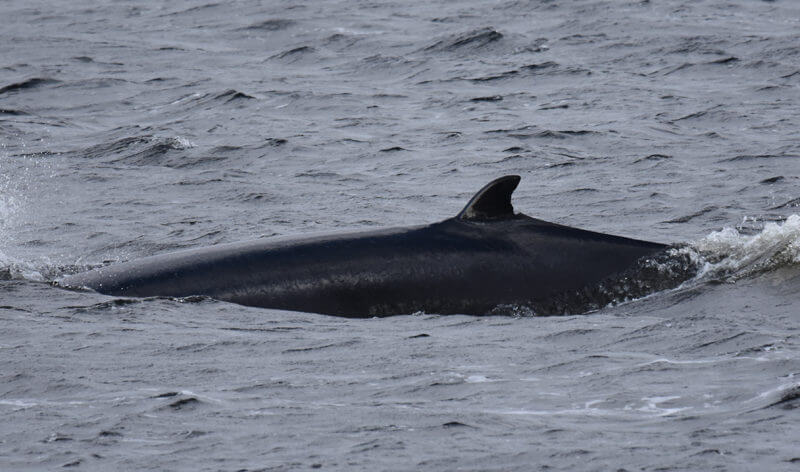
486,260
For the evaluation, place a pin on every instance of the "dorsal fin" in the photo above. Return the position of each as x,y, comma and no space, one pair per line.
492,201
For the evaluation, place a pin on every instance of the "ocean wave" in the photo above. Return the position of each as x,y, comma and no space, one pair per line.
468,41
32,83
147,150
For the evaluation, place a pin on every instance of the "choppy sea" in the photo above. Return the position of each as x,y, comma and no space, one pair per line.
129,129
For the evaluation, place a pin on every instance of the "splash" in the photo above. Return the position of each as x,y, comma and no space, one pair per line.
730,255
13,214
9,209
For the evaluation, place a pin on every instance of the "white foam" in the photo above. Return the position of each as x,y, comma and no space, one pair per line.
478,379
652,406
24,403
775,392
179,142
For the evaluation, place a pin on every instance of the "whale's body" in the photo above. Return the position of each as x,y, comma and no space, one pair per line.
484,258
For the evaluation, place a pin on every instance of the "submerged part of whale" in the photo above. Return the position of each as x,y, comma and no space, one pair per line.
485,260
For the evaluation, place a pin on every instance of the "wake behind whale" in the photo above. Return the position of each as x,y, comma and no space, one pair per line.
486,260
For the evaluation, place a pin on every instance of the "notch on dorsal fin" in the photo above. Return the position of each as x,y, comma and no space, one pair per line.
492,201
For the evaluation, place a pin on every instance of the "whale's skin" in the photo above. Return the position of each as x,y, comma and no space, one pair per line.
470,264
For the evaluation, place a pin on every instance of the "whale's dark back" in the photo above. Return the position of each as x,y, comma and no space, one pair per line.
456,266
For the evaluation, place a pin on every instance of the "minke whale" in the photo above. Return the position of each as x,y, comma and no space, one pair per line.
485,260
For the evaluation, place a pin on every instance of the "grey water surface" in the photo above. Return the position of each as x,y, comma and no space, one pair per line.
129,129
